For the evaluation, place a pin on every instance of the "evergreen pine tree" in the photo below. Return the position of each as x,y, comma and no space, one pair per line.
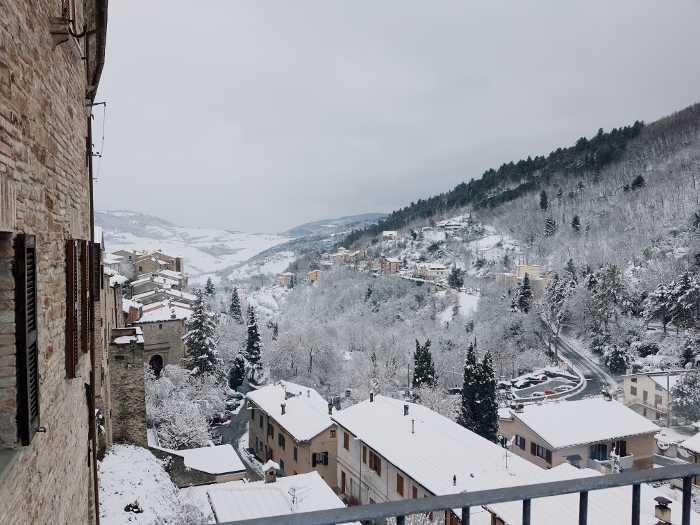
544,202
200,341
423,366
237,373
487,413
467,409
209,288
550,226
235,306
456,278
571,269
522,300
253,348
576,224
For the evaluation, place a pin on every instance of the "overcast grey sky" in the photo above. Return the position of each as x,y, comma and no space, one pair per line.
260,115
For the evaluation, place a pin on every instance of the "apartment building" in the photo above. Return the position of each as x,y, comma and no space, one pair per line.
592,433
649,394
389,450
291,425
50,68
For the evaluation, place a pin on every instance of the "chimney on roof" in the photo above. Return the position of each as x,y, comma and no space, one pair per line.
454,480
284,408
336,401
371,397
662,511
330,408
405,409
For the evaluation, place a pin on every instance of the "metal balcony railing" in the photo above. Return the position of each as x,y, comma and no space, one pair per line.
525,493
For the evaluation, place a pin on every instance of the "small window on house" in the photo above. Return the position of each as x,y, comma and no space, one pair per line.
260,420
633,390
375,463
160,326
346,441
282,465
633,379
645,395
399,484
657,399
414,492
520,442
541,452
332,432
364,454
280,440
252,414
296,455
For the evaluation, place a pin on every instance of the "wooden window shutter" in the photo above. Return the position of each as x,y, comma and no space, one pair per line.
26,336
96,270
85,296
72,308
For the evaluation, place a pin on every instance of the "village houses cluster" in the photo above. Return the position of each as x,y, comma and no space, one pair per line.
78,324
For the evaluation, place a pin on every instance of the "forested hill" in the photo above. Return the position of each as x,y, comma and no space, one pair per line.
587,159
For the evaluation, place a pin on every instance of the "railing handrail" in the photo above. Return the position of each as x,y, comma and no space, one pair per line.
476,499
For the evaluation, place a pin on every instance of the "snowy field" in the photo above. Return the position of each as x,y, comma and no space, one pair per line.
206,251
468,303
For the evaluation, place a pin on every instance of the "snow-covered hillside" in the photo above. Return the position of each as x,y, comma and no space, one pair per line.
206,251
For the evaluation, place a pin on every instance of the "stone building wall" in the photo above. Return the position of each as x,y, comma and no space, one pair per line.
107,317
164,338
127,389
44,191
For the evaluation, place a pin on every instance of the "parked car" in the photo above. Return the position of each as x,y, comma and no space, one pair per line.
537,394
562,388
548,392
232,404
220,419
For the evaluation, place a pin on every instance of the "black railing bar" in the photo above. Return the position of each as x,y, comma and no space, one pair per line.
475,499
636,503
526,511
583,508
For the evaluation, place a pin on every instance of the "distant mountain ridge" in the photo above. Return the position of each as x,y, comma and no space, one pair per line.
335,226
216,253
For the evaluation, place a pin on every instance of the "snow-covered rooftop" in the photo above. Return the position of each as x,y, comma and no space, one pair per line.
220,459
306,411
127,304
136,336
692,444
110,258
164,311
436,449
172,274
567,423
666,380
609,506
301,493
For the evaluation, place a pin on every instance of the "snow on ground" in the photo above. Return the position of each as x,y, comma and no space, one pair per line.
205,251
272,265
250,459
493,245
468,303
129,475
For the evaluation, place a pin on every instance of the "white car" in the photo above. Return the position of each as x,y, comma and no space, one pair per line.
562,388
537,394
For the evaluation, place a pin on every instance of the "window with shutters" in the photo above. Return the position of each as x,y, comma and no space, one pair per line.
84,287
26,324
399,484
346,441
72,307
375,463
96,271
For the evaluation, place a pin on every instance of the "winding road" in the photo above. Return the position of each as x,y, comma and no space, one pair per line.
597,377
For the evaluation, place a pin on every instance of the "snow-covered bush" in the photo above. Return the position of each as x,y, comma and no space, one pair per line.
686,397
179,405
616,358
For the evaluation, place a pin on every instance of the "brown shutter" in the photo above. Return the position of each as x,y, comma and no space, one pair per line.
27,341
84,296
96,270
72,308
